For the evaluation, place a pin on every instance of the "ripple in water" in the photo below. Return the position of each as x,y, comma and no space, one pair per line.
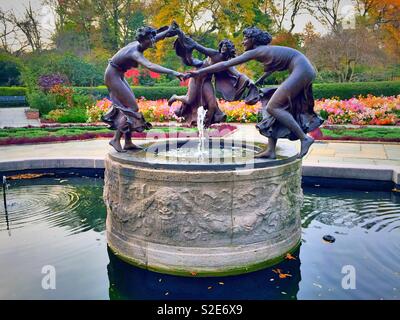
342,209
54,202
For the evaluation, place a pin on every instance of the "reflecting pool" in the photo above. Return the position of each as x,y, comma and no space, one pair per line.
60,222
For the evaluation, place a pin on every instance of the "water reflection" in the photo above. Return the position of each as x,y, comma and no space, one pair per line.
61,222
129,282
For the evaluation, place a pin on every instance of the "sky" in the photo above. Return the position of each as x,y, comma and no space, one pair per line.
48,19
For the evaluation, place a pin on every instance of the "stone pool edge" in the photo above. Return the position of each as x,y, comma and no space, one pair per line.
314,174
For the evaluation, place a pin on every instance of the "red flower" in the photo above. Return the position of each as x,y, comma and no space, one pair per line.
184,83
133,74
154,75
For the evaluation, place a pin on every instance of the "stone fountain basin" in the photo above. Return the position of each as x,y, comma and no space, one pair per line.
191,217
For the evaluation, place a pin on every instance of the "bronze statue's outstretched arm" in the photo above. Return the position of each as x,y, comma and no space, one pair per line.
247,56
166,32
209,52
155,67
162,35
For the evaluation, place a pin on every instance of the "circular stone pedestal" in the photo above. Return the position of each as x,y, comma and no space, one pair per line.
202,219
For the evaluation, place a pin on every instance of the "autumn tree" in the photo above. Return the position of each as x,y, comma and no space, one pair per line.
7,32
327,12
26,29
342,51
283,11
382,17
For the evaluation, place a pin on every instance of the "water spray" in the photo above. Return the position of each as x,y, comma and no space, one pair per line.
201,115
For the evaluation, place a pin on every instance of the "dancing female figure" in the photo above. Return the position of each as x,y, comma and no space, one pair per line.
288,111
124,115
230,83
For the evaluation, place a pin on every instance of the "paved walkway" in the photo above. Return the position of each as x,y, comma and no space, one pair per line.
321,152
15,117
378,154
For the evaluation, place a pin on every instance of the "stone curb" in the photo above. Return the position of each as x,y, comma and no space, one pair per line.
320,170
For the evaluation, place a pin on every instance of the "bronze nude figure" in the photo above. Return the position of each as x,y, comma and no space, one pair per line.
124,115
288,111
230,83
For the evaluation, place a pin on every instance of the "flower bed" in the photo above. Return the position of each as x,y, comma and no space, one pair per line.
369,110
160,111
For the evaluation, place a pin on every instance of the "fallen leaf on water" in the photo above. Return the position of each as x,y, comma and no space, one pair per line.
26,176
193,273
281,275
289,257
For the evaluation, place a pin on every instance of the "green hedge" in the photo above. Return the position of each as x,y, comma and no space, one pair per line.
12,91
354,89
150,93
321,90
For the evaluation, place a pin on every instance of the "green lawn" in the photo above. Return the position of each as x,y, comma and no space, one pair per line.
72,131
368,133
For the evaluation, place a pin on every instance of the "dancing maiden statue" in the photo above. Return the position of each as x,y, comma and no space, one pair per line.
124,115
288,111
230,83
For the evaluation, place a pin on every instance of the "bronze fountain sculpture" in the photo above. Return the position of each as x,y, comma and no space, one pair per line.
234,208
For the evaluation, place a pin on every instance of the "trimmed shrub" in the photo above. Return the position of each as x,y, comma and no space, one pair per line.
12,91
354,89
149,93
41,101
76,115
321,90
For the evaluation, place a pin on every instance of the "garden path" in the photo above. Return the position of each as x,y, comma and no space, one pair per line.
15,118
321,153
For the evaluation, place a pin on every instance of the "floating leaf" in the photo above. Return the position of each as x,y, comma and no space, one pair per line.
193,273
280,274
26,176
289,257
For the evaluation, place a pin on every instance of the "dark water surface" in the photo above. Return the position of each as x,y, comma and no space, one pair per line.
61,222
